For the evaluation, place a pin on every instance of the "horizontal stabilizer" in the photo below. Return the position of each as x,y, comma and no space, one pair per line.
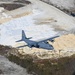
19,40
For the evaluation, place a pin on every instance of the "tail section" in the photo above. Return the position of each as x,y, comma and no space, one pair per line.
23,35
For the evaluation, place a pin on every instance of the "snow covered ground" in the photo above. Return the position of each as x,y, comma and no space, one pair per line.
12,31
41,24
3,15
63,4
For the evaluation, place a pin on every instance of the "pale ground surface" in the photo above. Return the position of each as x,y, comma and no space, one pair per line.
42,21
63,4
62,48
42,17
9,68
3,16
35,18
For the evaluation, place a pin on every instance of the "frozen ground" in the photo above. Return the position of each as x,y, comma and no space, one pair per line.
63,4
45,21
12,30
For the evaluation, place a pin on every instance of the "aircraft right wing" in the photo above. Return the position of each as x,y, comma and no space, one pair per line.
44,40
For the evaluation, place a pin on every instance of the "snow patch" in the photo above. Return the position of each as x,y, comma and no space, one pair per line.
11,31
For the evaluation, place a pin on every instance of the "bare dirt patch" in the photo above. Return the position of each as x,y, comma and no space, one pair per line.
42,21
23,1
11,6
23,14
65,42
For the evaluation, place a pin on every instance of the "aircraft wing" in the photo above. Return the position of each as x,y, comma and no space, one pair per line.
44,40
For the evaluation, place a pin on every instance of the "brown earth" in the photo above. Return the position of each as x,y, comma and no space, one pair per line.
64,42
11,6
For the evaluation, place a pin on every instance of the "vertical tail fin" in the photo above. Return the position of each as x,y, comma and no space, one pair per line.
23,35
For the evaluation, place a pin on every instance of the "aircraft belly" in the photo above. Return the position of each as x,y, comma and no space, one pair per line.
46,46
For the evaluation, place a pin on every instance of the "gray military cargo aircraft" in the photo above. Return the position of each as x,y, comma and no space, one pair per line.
38,44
